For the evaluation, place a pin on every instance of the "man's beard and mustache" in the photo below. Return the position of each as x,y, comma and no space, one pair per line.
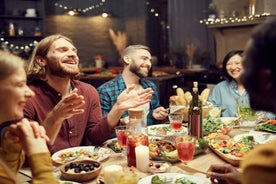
57,69
136,70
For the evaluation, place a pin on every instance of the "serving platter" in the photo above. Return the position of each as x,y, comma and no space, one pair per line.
80,152
232,150
235,161
268,126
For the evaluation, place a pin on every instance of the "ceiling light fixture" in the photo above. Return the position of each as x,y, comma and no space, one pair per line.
105,14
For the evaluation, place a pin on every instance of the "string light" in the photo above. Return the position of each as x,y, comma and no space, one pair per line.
17,49
218,21
83,10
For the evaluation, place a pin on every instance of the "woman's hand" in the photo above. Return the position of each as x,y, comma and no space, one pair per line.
30,135
220,174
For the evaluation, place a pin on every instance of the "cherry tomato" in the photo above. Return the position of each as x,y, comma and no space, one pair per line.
237,154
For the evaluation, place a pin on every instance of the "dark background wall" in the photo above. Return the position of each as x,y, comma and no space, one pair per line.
89,31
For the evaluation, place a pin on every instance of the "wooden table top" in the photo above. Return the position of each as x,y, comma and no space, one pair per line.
201,162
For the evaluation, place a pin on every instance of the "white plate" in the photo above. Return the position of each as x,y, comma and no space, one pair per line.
259,137
198,179
103,153
152,130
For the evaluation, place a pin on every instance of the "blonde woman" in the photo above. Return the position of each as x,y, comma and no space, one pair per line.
22,137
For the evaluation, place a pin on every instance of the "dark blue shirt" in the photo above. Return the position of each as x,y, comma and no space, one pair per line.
110,91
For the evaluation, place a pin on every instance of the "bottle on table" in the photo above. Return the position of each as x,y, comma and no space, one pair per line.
195,113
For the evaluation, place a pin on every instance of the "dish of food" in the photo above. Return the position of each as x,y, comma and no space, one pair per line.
164,130
268,126
259,137
229,149
115,146
158,166
174,178
80,152
163,149
213,124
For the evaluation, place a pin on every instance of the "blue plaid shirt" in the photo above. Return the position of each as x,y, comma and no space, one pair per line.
110,91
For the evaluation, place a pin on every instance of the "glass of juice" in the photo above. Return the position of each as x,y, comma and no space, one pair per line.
185,145
122,132
133,141
176,121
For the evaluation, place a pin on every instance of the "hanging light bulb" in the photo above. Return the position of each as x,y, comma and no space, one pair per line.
105,13
72,12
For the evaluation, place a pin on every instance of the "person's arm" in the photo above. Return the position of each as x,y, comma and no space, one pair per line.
126,100
32,139
259,165
67,107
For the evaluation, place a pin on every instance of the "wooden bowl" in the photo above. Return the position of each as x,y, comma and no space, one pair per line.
68,170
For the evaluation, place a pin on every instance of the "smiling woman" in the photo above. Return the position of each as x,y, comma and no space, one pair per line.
225,94
21,138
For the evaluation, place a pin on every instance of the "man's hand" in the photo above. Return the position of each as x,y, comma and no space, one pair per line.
130,98
160,113
69,106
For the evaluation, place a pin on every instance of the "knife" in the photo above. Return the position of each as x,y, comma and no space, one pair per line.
190,169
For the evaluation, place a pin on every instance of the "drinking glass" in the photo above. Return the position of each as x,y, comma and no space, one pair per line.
185,145
122,133
176,121
247,115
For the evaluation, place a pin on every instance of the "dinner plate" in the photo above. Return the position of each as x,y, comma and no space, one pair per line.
102,154
259,137
196,178
154,130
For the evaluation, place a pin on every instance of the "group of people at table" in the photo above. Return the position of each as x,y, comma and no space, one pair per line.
48,109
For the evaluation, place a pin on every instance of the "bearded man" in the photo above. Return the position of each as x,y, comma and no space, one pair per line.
70,109
136,60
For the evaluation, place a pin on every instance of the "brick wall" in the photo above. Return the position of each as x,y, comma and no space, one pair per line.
90,33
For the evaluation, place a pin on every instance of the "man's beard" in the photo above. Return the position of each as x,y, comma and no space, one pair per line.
56,69
136,70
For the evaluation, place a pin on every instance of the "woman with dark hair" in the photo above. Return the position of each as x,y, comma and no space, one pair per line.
226,93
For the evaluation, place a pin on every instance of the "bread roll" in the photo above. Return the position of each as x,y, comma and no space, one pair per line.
204,94
176,100
180,92
188,97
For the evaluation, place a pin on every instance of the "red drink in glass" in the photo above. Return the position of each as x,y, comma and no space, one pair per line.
122,137
185,151
132,142
176,125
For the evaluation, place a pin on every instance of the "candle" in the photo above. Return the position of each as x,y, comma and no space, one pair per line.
111,173
142,158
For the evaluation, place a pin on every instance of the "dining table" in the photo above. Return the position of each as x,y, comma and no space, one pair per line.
200,162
